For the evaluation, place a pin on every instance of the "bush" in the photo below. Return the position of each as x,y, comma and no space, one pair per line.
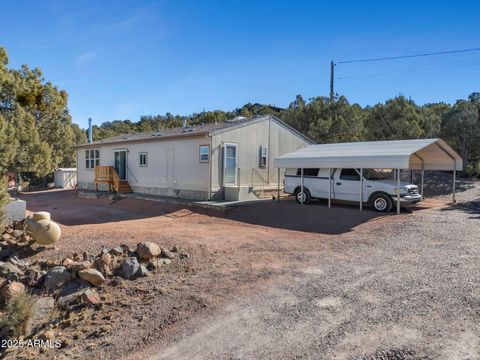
4,198
473,169
15,321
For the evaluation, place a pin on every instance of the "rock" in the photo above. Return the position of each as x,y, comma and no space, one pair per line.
104,251
47,335
44,306
184,255
72,292
11,291
148,250
117,251
93,276
57,277
33,277
17,233
175,248
77,266
142,271
165,261
88,257
6,254
6,237
17,262
74,286
127,248
90,297
7,268
167,254
130,267
67,262
106,259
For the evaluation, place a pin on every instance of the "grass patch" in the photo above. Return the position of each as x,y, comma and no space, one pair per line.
15,319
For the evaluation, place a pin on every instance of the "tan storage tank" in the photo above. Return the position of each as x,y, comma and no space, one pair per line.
44,232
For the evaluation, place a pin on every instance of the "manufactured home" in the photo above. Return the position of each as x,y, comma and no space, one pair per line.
231,160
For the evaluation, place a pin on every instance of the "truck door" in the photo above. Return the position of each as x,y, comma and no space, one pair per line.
347,184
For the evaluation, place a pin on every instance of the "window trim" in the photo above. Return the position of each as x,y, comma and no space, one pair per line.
140,159
88,158
260,163
200,153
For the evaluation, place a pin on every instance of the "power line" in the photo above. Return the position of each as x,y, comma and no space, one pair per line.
333,64
408,56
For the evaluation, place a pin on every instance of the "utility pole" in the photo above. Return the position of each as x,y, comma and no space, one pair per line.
332,75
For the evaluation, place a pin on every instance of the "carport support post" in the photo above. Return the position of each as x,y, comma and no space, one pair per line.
398,191
278,185
361,189
454,183
301,186
329,187
423,176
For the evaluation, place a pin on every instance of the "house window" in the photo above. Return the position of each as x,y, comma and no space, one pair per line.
92,158
143,159
263,156
204,153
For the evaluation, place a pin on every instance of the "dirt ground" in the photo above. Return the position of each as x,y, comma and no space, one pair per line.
280,280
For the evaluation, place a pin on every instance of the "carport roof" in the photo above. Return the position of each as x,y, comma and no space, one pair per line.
435,154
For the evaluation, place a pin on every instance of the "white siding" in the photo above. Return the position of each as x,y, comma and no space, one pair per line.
158,177
278,138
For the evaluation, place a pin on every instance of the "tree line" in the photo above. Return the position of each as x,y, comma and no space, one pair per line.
326,121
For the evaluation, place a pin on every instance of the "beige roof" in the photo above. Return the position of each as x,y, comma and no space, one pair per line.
194,130
396,154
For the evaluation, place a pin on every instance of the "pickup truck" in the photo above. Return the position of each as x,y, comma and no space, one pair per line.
380,193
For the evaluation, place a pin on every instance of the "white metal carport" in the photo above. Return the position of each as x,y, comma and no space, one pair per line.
418,154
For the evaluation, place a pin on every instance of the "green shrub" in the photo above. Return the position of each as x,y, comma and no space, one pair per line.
15,320
473,169
4,198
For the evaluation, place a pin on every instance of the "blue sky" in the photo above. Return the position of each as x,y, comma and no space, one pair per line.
123,59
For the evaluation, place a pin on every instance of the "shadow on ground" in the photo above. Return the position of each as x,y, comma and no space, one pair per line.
68,209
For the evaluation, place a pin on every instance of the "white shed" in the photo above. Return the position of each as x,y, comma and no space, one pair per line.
65,178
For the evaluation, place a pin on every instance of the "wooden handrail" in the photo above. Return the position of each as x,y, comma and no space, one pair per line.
109,175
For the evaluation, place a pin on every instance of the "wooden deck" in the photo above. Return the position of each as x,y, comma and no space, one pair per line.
108,175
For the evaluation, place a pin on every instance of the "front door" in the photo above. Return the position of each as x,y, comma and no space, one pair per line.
230,160
121,163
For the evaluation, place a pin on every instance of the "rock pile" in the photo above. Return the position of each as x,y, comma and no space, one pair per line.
73,281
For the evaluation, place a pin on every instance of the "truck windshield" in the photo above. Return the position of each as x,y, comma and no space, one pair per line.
371,174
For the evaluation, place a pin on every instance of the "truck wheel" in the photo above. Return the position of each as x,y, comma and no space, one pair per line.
305,196
381,203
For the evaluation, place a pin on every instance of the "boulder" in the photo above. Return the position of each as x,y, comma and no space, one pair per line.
67,262
17,233
130,267
93,276
11,291
117,251
57,277
7,268
77,266
90,297
167,254
148,250
44,306
6,237
175,248
33,277
184,255
71,292
142,271
164,261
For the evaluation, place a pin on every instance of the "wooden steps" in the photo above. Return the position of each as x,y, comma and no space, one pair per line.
124,187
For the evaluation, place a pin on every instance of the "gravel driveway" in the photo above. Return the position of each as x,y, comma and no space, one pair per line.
402,289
